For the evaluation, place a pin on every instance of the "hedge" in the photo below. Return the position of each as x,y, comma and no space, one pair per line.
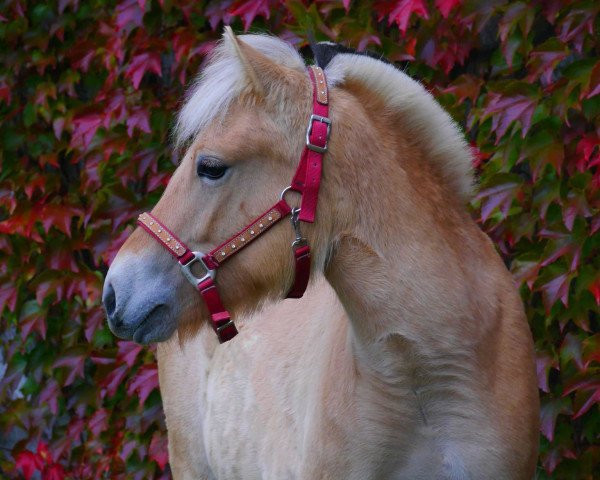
87,96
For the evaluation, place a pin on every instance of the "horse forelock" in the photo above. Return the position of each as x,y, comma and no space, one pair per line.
224,79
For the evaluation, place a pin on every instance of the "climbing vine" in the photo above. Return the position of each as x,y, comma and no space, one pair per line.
88,90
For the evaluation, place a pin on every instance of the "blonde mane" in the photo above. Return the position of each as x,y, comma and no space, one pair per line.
428,124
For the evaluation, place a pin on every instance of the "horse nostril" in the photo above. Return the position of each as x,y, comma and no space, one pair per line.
109,300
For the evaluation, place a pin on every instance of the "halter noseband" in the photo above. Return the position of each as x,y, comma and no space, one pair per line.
306,181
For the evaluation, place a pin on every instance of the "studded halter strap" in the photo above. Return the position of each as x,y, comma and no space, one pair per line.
306,181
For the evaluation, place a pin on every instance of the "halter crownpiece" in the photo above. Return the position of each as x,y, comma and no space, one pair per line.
306,181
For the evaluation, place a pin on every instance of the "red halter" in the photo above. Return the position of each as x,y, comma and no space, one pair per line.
306,181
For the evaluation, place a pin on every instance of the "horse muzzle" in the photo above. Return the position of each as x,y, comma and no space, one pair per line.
137,304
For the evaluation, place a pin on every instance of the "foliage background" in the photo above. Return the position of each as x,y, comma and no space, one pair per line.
87,95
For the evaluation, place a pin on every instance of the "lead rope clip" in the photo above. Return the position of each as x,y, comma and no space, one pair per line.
300,240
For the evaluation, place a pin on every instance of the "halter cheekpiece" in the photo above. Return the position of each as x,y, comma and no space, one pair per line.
306,181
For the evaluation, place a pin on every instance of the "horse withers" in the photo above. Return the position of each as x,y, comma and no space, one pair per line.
408,357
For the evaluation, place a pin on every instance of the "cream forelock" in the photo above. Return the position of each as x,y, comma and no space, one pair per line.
224,78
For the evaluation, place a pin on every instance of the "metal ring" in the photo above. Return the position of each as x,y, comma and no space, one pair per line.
282,197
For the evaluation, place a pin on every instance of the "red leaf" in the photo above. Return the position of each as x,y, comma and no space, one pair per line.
29,463
35,322
138,119
368,39
506,110
218,12
75,363
158,450
140,64
586,385
444,6
594,288
498,196
58,216
62,5
249,10
84,129
112,381
542,64
544,362
587,152
594,85
44,453
54,472
548,413
555,289
128,352
145,380
403,10
160,179
183,41
5,94
129,12
571,349
93,322
465,86
49,395
8,296
99,422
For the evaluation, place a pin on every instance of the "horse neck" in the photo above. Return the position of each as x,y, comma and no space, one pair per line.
402,240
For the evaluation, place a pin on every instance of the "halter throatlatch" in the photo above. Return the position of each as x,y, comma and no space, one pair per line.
306,181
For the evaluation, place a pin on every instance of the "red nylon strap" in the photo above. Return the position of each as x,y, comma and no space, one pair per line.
308,175
302,259
219,316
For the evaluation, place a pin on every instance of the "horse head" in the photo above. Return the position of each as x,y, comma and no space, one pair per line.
244,127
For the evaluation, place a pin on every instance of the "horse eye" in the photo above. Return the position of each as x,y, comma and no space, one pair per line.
210,168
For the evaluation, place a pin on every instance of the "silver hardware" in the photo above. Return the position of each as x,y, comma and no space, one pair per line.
187,270
296,225
312,119
229,323
283,192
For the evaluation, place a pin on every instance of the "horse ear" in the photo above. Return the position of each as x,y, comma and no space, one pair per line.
262,73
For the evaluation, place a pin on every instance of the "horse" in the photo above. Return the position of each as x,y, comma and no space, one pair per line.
409,355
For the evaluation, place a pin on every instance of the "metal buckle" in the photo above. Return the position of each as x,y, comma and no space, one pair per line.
312,146
227,324
187,270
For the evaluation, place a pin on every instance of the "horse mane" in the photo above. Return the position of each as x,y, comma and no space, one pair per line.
425,122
